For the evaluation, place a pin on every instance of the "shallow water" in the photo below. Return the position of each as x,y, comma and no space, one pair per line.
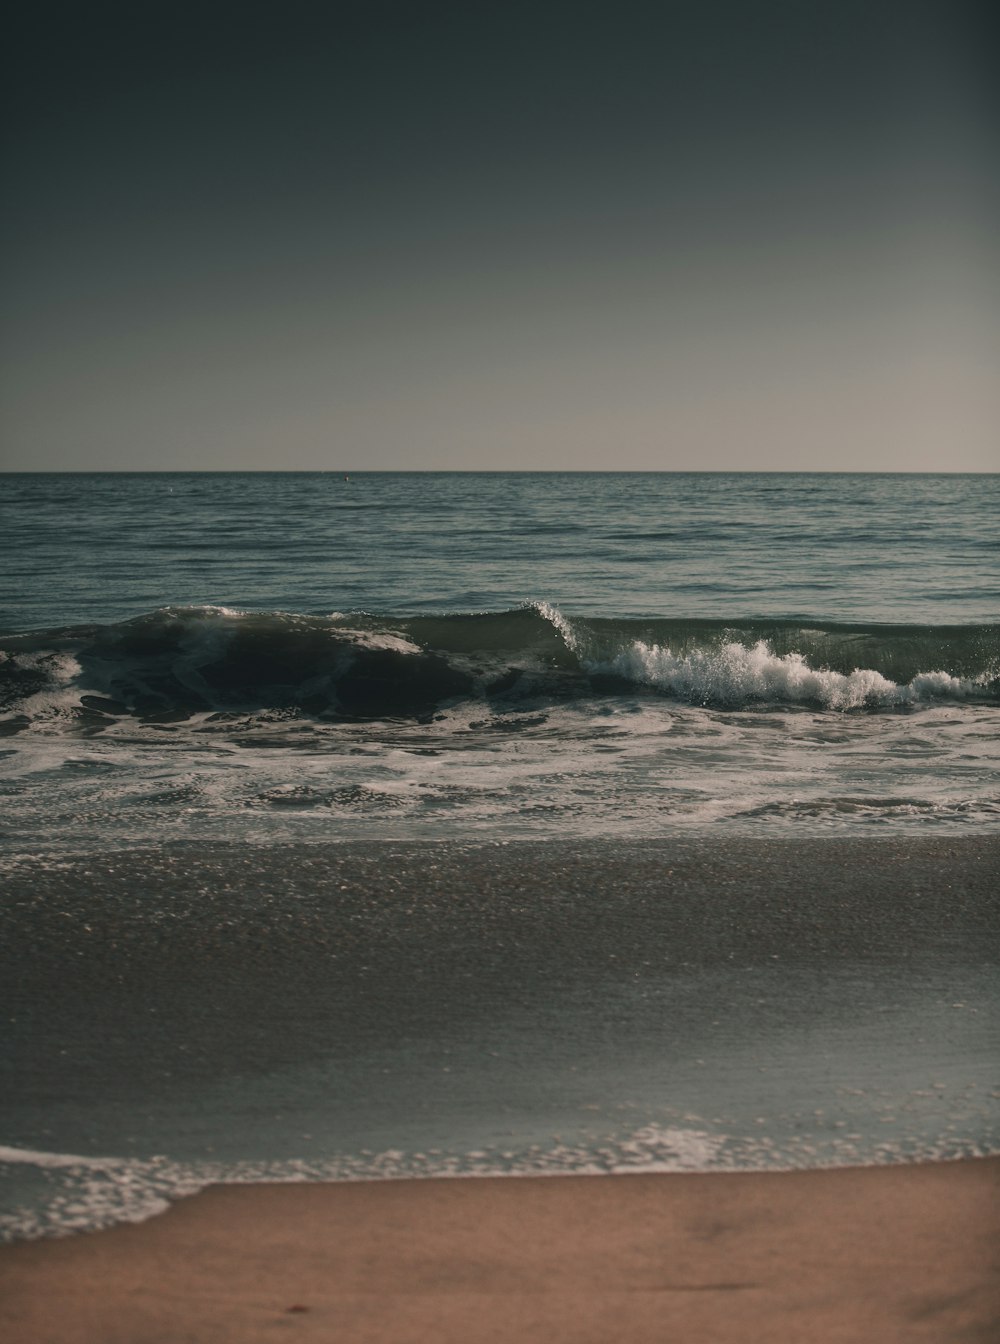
343,1012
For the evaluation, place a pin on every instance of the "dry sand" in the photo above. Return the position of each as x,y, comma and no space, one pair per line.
865,1255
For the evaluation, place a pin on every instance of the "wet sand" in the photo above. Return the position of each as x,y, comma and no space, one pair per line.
102,1002
902,1253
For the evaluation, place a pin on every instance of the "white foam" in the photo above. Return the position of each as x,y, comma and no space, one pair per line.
654,1148
60,670
53,1160
736,675
555,618
88,1193
196,609
379,639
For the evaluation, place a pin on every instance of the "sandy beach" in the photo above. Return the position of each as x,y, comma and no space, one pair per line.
891,1254
238,1029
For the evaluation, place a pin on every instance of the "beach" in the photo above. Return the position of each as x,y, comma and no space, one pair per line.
500,674
894,1254
184,1016
588,935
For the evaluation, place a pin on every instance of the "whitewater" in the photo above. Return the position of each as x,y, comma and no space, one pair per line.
213,722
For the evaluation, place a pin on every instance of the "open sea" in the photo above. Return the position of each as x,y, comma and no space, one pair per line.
416,823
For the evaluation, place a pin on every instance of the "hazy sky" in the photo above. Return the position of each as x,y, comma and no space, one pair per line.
749,235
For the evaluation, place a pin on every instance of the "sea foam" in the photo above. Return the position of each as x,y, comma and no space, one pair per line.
736,675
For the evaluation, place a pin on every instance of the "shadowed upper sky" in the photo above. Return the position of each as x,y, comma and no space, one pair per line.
751,235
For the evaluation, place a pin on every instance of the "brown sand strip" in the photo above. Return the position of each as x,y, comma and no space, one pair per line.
857,1255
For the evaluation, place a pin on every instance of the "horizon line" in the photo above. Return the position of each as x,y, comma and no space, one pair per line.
486,471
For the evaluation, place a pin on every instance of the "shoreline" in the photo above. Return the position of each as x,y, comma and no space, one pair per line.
444,953
795,1001
895,1253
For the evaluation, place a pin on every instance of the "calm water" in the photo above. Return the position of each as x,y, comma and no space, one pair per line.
901,549
449,823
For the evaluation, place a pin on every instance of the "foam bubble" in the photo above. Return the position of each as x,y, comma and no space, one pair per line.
84,1194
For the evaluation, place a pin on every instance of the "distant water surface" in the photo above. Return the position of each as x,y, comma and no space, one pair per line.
888,548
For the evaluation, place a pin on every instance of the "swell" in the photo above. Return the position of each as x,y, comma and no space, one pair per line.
183,660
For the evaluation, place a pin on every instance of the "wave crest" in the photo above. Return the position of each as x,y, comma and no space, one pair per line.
736,675
181,661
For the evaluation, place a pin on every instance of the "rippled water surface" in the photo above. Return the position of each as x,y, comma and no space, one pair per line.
79,547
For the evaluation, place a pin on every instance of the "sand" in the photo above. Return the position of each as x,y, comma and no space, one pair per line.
853,1256
901,1253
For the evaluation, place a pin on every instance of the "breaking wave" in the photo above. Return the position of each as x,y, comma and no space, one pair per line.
179,661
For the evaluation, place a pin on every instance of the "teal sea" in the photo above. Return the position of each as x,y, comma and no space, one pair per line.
369,824
893,549
329,656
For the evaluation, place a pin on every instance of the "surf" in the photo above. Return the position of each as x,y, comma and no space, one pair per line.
360,665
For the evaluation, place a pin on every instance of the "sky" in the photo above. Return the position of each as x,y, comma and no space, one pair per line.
367,235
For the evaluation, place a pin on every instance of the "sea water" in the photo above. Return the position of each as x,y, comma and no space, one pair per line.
222,693
312,656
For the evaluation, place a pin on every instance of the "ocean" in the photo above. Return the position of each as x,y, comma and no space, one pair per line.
358,825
